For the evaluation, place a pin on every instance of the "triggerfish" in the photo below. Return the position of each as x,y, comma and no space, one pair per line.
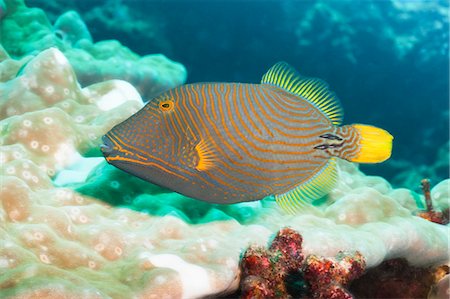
236,142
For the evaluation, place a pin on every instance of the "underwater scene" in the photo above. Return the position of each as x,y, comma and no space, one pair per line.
224,149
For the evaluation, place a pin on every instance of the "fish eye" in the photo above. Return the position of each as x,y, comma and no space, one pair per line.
166,105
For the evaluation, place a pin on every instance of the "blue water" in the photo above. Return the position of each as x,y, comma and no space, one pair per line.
388,61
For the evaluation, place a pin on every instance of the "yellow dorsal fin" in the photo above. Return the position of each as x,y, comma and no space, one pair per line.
320,184
313,90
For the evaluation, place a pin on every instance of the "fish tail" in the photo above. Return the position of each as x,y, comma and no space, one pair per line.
365,144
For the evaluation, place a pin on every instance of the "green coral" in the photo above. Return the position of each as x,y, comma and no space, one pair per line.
27,31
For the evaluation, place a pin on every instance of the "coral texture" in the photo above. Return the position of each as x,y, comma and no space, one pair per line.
265,272
25,31
48,118
328,277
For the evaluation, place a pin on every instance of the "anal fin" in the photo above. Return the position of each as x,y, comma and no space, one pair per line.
320,184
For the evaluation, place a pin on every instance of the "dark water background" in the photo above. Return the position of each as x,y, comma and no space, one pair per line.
388,61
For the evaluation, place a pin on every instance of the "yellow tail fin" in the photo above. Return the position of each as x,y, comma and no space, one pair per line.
375,144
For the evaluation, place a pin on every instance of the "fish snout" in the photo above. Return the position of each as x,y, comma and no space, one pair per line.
107,147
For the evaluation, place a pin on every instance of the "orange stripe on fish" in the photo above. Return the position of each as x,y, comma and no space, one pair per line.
164,164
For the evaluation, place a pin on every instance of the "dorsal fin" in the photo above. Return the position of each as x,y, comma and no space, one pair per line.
320,184
314,90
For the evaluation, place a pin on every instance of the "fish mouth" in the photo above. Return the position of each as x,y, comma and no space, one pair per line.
107,147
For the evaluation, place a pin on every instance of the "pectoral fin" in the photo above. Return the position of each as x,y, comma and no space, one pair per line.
206,156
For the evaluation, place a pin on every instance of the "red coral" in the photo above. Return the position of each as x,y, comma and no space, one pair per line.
288,246
265,271
328,277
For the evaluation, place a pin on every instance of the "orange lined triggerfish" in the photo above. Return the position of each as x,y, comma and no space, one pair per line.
235,142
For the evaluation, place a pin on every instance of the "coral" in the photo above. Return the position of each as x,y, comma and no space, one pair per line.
9,68
71,29
440,195
328,277
125,20
265,271
27,31
106,60
122,18
49,127
131,252
396,278
288,246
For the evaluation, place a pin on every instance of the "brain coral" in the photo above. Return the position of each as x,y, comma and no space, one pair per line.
47,117
25,31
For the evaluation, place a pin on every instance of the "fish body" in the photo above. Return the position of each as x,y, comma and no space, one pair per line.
234,142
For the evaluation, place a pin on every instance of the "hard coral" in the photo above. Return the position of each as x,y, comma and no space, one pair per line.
27,31
288,246
328,277
265,271
52,113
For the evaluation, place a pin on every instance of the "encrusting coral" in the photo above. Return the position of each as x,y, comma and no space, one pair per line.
329,277
265,272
